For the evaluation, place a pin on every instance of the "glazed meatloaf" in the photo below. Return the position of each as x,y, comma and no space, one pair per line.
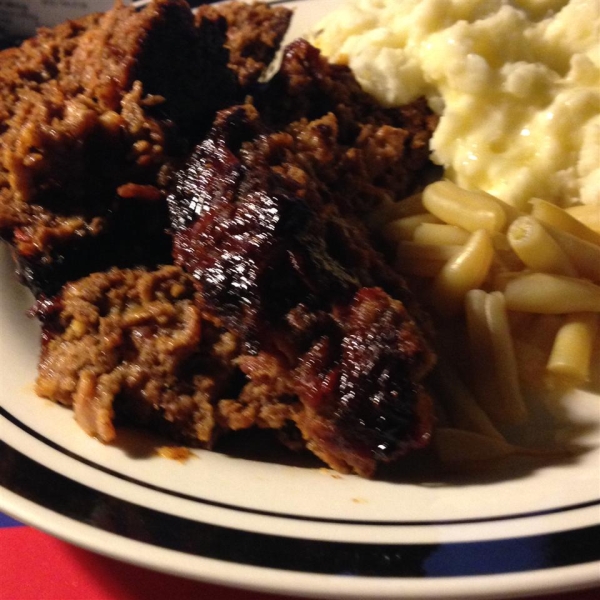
280,314
268,219
91,114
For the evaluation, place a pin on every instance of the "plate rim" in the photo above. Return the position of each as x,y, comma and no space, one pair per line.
40,437
267,578
555,581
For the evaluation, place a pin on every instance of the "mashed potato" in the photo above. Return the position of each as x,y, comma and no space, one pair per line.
517,83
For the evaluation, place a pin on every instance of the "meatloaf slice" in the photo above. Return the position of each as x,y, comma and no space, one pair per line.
92,106
281,314
136,346
322,321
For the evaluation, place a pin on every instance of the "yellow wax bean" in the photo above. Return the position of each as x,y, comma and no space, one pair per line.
495,374
462,409
440,234
583,255
569,362
537,248
465,271
512,409
466,209
404,229
410,250
551,294
588,214
553,215
481,352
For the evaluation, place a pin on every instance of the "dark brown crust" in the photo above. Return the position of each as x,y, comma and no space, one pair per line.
254,34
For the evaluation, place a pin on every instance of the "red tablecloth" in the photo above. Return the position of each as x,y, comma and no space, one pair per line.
35,566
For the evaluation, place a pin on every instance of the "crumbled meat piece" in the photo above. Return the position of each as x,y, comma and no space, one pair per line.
377,152
254,33
136,345
37,61
88,107
267,400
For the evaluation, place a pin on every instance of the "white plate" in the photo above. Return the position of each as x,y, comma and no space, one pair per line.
294,529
